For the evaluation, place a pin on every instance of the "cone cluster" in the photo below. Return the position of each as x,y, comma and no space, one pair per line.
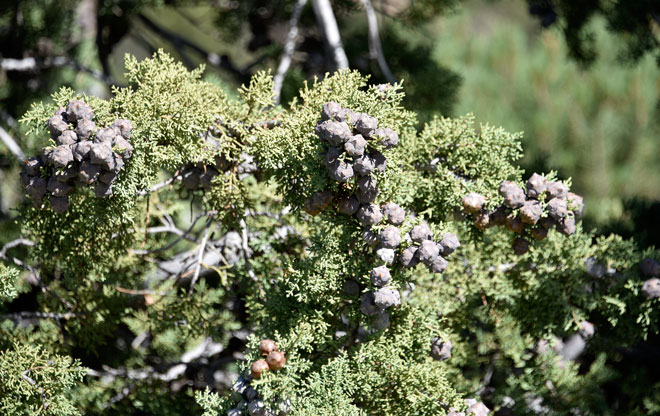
84,156
531,213
352,158
273,359
246,396
352,139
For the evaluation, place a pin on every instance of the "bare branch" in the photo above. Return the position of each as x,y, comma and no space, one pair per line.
11,144
289,47
160,185
120,396
170,371
165,229
219,61
200,256
174,230
33,65
34,271
328,24
7,118
36,386
246,249
17,316
16,243
432,167
274,215
12,244
375,47
18,65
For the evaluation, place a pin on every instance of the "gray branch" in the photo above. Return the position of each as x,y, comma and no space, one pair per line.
33,65
33,270
36,386
7,118
12,244
11,144
168,372
247,253
120,396
375,47
289,47
328,24
200,255
432,167
172,229
16,243
160,185
38,315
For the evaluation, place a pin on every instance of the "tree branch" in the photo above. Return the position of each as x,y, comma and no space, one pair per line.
16,316
247,253
160,185
375,47
166,372
183,235
289,47
34,271
200,256
119,396
12,244
11,144
36,386
33,65
7,118
328,24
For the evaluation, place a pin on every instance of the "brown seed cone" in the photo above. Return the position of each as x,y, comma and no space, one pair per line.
318,202
258,368
539,232
547,223
276,360
473,202
515,224
520,246
313,211
266,346
481,221
498,216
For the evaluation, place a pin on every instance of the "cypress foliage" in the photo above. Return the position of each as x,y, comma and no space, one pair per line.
168,287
